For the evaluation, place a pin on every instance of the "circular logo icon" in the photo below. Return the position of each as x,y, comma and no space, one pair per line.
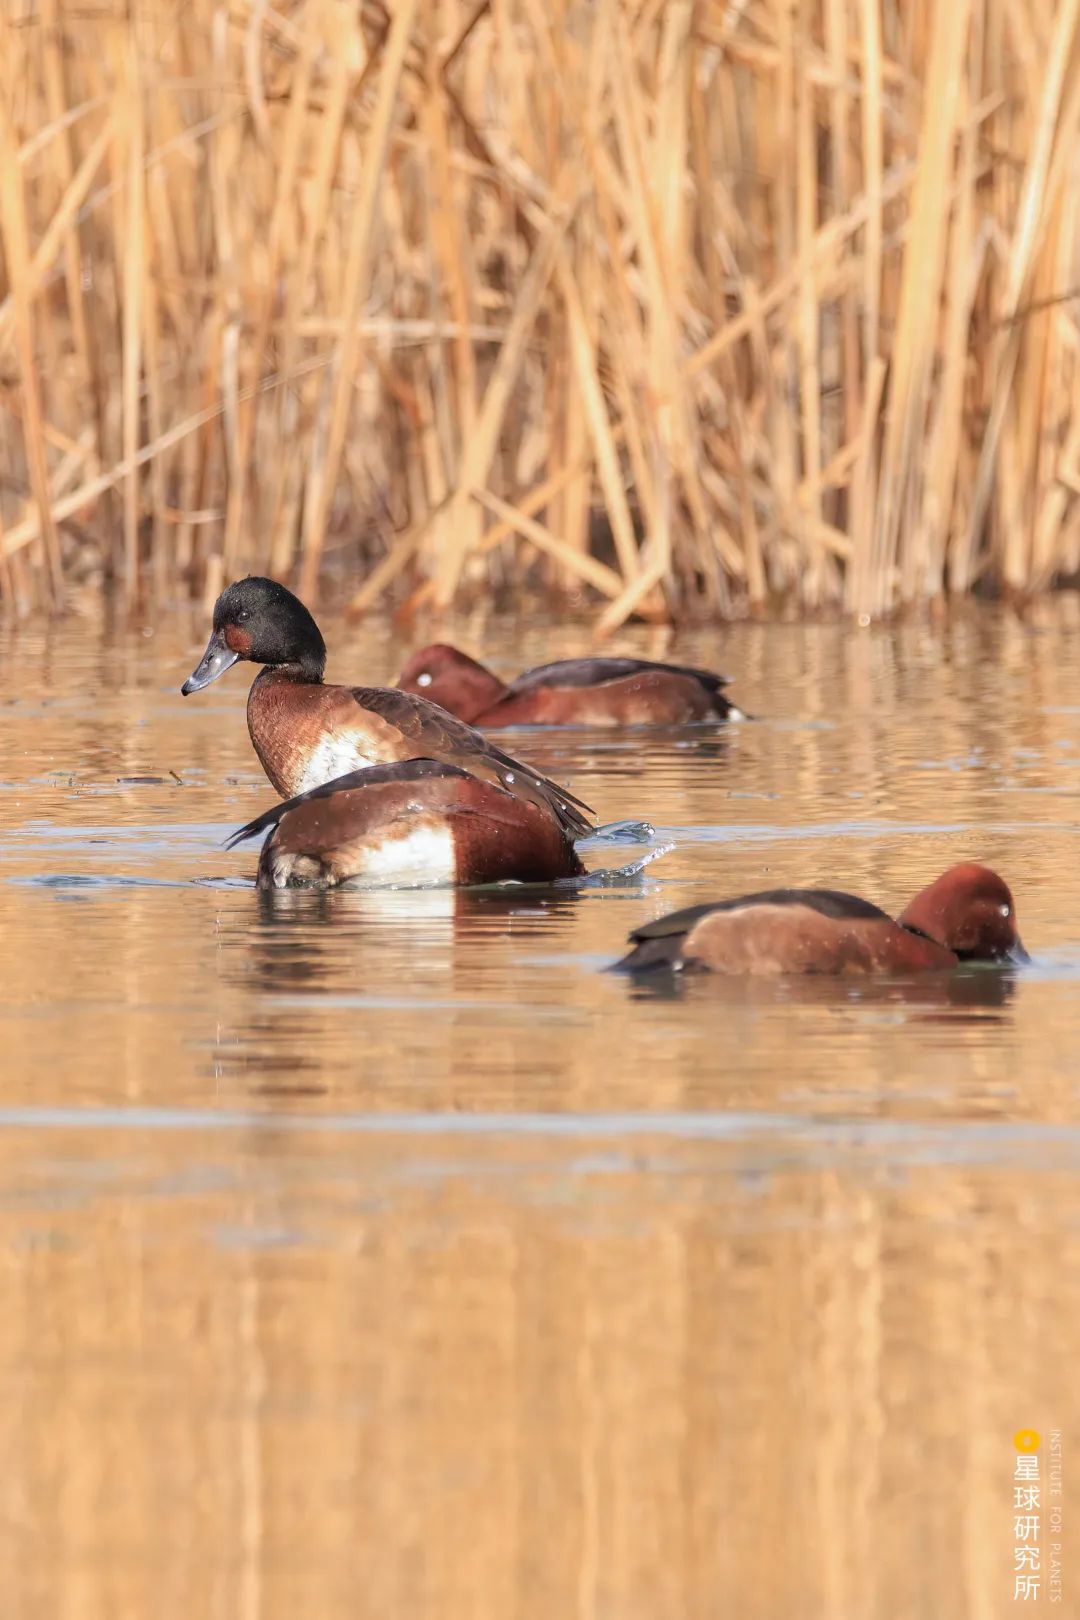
1026,1440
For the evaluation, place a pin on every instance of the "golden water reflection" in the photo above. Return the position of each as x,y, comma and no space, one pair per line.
380,1254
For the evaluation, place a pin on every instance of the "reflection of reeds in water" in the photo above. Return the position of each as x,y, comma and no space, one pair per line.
682,305
246,1379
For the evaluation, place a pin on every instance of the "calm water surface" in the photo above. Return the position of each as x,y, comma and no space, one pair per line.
379,1254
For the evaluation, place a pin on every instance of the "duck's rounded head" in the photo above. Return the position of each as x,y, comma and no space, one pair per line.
260,620
452,679
970,910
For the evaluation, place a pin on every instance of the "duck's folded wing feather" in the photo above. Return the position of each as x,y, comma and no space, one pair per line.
585,672
663,942
406,770
438,735
830,903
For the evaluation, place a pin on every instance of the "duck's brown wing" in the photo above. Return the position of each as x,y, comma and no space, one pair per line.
432,733
660,943
408,772
584,672
832,903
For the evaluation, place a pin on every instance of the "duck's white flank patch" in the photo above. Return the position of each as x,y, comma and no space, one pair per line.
335,755
424,858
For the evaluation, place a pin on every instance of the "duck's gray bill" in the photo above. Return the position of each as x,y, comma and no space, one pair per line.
214,662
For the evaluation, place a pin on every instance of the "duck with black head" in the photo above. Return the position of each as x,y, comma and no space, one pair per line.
307,734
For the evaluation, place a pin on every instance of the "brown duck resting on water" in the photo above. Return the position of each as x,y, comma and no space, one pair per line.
414,824
966,915
573,691
430,823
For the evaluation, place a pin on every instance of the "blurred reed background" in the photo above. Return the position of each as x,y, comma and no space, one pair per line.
682,307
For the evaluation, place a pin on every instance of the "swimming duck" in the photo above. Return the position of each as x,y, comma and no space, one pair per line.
966,915
307,733
573,691
417,823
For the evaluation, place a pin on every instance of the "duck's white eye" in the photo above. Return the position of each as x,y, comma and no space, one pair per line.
1005,911
424,679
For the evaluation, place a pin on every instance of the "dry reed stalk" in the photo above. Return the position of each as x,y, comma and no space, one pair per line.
767,301
30,528
586,370
1059,424
1036,206
915,348
132,303
570,515
13,216
405,545
322,475
58,234
332,30
603,579
480,451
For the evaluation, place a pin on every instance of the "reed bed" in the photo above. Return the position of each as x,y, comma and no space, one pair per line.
681,308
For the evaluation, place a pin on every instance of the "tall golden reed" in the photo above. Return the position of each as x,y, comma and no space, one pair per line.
690,306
